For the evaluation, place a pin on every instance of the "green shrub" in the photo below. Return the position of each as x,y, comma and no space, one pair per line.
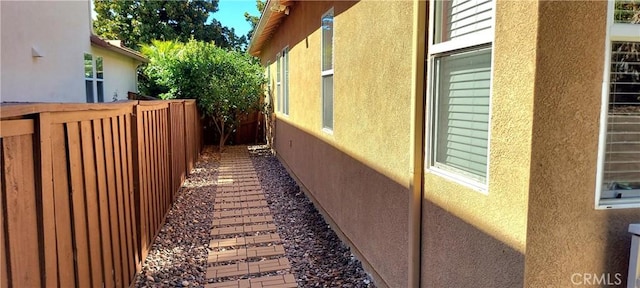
226,84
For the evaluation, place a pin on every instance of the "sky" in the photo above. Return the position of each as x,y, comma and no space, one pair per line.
231,14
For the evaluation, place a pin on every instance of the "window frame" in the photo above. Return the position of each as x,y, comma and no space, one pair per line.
474,42
94,78
285,80
278,83
615,32
328,72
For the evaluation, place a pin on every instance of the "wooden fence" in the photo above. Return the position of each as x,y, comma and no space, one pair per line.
85,188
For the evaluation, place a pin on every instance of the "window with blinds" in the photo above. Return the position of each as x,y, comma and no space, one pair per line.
460,77
458,18
462,131
619,173
285,81
278,83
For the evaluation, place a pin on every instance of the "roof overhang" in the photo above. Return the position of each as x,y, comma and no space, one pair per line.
117,47
272,15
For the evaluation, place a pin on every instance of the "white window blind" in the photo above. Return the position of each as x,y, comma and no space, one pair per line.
460,76
463,83
285,81
458,18
278,84
619,174
622,148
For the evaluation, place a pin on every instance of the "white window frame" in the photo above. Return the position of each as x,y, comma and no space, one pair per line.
94,77
279,83
473,42
615,32
329,72
285,80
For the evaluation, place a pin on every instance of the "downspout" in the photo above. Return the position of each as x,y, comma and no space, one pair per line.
418,134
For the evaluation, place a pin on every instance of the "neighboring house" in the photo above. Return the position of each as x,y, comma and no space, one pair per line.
502,149
120,69
46,49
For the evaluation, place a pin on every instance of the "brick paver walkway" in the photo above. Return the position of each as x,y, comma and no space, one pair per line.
246,249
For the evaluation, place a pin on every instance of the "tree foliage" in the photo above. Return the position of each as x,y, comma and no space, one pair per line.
253,20
627,11
140,21
226,84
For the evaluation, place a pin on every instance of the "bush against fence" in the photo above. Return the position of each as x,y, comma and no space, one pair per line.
227,84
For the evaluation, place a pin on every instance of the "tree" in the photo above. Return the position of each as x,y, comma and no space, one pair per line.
253,20
137,22
226,84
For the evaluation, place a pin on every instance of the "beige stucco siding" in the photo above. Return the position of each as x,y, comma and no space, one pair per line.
566,235
479,233
359,173
60,31
119,74
535,225
372,83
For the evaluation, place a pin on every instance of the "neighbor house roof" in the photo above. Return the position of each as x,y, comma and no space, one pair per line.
117,47
272,15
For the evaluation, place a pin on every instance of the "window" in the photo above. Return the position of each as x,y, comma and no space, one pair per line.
459,94
618,183
282,81
278,84
93,78
285,81
327,70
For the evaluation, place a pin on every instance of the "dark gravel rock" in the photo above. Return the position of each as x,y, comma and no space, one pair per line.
179,254
318,257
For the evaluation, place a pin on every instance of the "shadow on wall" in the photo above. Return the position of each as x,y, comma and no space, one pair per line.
618,246
369,207
457,254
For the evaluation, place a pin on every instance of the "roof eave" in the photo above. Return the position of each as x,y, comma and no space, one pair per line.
264,18
97,41
269,22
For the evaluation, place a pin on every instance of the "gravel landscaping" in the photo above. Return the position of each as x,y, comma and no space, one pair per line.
318,257
179,254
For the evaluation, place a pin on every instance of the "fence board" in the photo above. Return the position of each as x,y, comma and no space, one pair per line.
166,196
4,274
47,202
80,235
93,221
177,151
120,194
103,203
62,206
129,204
155,165
20,200
112,203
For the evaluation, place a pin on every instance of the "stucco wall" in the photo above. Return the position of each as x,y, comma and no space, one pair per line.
60,31
475,239
360,173
119,74
566,235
